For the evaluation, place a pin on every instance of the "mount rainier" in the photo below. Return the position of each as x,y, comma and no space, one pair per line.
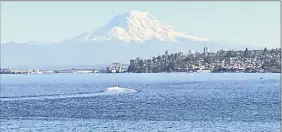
136,26
126,36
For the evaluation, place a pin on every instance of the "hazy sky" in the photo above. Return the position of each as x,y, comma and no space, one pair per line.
256,23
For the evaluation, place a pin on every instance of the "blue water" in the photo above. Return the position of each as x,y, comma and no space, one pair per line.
235,102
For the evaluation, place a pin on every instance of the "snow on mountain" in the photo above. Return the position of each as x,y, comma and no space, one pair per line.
138,27
106,44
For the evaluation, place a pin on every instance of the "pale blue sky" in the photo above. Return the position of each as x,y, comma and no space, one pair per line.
256,23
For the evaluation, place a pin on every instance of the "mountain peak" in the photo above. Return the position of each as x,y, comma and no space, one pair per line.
136,26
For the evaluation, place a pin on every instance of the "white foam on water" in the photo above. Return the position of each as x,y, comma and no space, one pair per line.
119,90
109,91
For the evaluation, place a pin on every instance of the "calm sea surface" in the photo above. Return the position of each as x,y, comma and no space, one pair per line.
174,102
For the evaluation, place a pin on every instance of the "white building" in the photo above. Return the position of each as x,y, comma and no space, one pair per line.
204,71
117,67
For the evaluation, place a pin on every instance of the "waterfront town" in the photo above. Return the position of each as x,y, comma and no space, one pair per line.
112,68
249,61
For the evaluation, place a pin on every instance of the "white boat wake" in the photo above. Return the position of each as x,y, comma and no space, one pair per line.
119,90
109,91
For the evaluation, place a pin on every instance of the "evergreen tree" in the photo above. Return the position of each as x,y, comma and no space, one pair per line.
246,53
265,50
166,52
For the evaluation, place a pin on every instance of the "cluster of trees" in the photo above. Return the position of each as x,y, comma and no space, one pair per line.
165,63
180,62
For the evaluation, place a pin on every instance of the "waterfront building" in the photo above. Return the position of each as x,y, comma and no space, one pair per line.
118,67
204,71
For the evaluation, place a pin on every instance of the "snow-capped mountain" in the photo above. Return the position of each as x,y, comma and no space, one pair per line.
126,36
136,26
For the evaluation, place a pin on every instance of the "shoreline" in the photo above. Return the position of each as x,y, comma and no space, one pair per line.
131,73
